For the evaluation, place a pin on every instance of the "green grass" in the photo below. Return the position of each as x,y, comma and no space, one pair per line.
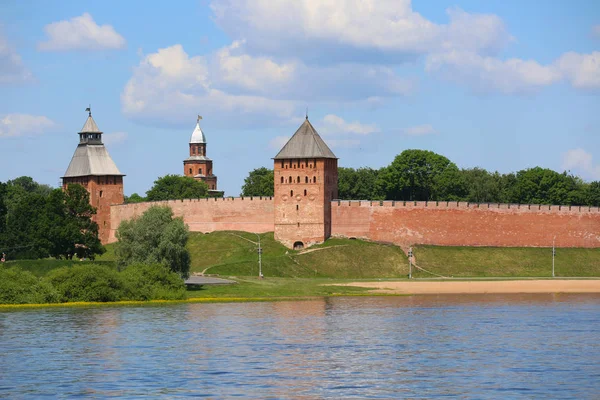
234,253
273,288
505,262
297,274
42,267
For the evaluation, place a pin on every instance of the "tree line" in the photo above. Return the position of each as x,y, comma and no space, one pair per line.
172,187
37,221
422,175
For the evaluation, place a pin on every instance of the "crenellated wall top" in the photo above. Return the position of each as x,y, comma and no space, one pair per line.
458,205
205,200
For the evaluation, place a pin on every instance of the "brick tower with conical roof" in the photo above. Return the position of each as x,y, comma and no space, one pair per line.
197,165
305,173
93,168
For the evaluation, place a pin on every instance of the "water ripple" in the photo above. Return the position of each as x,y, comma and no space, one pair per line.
515,346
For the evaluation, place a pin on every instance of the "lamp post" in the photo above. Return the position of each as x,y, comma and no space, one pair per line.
553,254
410,255
260,275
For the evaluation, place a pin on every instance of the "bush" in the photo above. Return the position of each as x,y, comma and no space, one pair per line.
91,283
87,283
153,282
154,238
22,287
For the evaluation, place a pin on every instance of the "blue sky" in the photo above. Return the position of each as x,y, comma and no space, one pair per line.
502,85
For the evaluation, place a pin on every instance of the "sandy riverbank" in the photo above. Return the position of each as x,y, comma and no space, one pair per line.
459,287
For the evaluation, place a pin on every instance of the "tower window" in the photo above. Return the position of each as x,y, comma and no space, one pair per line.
314,179
281,163
298,179
291,192
282,179
306,179
190,171
297,207
200,171
305,192
290,180
101,193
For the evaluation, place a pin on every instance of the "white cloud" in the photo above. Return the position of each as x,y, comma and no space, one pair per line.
114,137
582,161
419,130
252,73
582,70
12,69
169,86
335,125
234,70
488,74
278,142
353,29
80,33
13,125
485,74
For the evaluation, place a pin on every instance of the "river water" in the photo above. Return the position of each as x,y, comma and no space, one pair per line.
479,346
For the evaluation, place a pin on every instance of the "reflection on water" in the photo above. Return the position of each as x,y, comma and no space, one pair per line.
479,346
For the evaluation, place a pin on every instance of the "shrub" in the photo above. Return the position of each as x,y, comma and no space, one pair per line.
154,238
22,287
87,283
153,282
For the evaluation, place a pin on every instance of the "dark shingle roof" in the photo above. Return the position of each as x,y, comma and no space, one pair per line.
306,143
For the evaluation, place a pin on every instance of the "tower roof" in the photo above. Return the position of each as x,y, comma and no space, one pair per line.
305,143
91,157
90,126
198,135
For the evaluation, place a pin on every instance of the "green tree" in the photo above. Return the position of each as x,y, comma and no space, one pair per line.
79,222
260,182
154,238
358,184
592,194
544,186
176,187
417,175
3,212
134,198
24,233
482,186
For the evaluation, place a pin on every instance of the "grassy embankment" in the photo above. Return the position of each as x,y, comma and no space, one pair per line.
306,273
491,262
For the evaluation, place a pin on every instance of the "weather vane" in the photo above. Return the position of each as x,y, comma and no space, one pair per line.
199,118
89,109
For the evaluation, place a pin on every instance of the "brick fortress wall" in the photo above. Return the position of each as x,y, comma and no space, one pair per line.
464,224
250,214
401,223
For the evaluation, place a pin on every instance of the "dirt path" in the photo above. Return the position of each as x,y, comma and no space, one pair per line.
445,287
